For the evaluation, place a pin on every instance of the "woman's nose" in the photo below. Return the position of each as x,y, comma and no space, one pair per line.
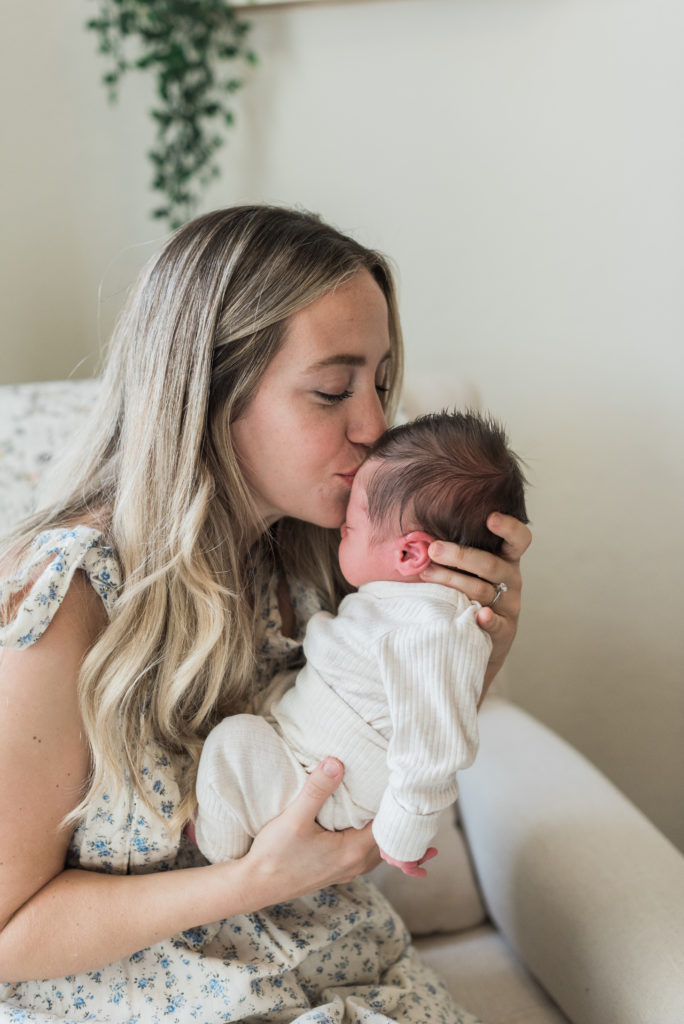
368,421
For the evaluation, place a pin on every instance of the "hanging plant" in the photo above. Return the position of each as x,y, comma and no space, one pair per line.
191,47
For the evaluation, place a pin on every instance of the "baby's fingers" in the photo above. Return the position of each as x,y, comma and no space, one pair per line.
411,867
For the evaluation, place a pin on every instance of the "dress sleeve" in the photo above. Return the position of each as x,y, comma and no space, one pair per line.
433,678
44,576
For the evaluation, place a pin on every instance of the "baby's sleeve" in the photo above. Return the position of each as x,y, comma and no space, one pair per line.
433,677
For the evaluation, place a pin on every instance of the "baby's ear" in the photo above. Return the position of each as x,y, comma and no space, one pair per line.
412,553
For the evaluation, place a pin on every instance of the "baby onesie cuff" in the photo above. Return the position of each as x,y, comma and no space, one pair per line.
403,835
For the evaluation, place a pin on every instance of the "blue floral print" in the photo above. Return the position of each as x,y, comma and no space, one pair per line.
339,956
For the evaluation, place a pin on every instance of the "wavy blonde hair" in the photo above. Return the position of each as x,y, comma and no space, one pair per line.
160,476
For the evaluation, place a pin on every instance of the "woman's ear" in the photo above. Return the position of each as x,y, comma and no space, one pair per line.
412,553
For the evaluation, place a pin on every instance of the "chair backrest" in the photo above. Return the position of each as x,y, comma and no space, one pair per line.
36,422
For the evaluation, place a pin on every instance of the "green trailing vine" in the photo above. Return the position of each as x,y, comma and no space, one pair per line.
191,46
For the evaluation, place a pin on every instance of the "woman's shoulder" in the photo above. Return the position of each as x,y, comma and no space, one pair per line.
38,585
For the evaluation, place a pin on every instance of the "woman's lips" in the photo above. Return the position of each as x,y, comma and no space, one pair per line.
349,477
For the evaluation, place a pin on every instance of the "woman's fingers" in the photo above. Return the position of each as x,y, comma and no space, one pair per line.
494,581
293,854
482,590
500,628
321,783
516,536
478,573
480,567
473,587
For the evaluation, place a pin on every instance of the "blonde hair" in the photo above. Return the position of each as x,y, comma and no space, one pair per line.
206,317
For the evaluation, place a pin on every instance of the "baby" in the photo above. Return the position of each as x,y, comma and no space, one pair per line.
392,682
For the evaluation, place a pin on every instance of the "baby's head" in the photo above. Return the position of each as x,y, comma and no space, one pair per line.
436,478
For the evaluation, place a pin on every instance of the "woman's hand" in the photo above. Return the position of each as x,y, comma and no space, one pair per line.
294,855
451,565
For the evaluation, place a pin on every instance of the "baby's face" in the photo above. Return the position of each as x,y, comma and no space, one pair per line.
364,558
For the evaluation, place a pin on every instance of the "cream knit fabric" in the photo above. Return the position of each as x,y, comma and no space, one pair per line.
391,687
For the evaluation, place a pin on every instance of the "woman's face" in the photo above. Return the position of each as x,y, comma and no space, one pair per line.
317,408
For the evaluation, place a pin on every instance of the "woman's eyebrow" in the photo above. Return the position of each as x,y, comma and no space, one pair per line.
343,359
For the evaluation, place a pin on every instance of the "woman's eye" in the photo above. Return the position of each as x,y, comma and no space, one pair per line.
334,398
382,388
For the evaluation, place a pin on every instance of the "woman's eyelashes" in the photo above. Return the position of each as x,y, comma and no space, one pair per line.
332,399
339,396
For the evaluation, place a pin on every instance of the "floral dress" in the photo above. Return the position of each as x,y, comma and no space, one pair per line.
338,956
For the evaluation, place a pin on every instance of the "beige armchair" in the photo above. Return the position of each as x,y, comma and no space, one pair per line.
553,898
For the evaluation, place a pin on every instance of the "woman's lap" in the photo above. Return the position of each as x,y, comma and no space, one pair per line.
339,956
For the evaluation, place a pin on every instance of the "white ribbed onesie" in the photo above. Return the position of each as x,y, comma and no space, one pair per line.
390,687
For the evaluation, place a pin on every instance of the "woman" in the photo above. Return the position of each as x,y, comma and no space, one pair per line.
255,362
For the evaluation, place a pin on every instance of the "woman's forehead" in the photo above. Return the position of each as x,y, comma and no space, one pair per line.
347,326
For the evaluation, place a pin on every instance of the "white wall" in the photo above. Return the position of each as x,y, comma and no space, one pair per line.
522,162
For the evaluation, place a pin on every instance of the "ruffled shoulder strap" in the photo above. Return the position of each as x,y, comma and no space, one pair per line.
51,561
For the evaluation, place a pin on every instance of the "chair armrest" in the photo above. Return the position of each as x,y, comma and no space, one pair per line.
581,884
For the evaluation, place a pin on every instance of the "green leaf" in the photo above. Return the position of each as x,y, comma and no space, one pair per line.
186,46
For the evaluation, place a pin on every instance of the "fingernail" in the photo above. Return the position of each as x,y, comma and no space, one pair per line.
331,767
428,574
436,550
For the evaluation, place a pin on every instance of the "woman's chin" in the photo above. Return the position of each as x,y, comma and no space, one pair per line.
329,520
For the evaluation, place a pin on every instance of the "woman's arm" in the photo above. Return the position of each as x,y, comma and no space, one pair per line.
453,564
43,769
290,857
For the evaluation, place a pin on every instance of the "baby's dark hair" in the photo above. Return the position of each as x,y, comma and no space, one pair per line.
447,472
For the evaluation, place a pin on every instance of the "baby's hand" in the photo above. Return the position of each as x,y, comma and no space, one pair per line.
411,867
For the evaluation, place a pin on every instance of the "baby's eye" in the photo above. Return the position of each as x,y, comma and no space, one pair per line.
333,399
